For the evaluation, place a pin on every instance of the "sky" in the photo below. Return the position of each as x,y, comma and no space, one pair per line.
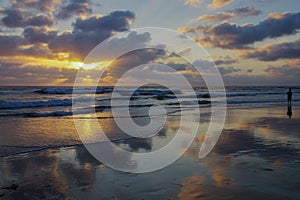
45,42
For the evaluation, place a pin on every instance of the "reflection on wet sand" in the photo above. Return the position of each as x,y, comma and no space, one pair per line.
31,132
255,149
289,111
49,174
196,187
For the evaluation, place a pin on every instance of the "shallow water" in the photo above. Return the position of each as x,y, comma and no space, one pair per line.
257,157
37,118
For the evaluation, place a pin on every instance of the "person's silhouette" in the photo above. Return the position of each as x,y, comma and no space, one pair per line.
289,95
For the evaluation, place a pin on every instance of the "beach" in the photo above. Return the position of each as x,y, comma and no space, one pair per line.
146,100
256,157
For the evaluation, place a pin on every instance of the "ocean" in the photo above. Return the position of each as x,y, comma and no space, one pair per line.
36,118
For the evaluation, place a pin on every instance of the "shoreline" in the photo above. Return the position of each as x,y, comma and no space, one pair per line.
229,109
256,147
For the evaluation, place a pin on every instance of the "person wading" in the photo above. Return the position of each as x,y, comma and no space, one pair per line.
289,95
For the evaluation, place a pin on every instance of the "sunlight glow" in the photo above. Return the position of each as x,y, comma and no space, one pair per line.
99,65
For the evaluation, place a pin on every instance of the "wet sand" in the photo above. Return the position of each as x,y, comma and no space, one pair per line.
257,157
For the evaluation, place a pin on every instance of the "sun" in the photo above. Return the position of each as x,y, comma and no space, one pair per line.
98,65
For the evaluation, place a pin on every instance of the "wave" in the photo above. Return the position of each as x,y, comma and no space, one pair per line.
212,95
35,104
102,108
62,91
149,93
30,149
255,94
259,101
55,91
50,114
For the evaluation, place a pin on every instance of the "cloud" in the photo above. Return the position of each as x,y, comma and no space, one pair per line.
214,4
132,59
284,72
228,70
219,3
16,74
42,5
273,52
17,45
17,18
25,44
187,29
115,21
231,14
74,8
13,18
9,44
193,3
179,67
207,66
36,51
63,9
225,62
40,20
185,52
39,34
233,36
66,9
89,32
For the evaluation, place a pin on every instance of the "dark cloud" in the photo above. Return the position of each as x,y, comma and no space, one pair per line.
119,46
179,66
13,18
204,63
39,34
38,38
231,14
228,70
74,8
273,52
87,33
176,66
225,62
40,20
233,36
16,74
283,71
16,18
115,21
63,9
19,46
246,11
130,60
36,51
9,44
207,66
286,75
